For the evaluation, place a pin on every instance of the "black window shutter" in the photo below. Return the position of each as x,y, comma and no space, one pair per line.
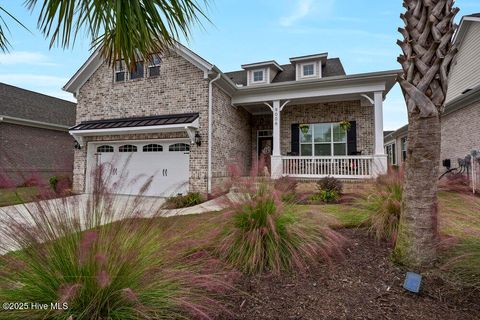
295,148
352,139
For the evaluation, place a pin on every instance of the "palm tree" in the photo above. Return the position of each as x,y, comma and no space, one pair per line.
126,30
427,56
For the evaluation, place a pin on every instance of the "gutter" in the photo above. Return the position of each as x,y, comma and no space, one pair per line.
210,122
34,123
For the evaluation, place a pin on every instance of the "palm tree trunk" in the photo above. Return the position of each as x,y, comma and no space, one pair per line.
428,52
416,244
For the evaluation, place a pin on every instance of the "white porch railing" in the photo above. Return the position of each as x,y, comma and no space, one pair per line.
347,167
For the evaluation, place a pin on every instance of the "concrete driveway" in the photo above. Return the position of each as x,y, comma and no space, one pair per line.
76,207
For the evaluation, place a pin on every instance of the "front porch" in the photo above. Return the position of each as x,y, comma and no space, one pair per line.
304,138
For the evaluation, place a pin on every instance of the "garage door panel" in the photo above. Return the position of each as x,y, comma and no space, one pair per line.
169,170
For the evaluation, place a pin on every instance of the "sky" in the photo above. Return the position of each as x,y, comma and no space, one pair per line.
362,33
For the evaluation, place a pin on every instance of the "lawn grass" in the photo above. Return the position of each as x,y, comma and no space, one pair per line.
14,196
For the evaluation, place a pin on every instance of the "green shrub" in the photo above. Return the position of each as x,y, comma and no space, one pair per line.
183,201
330,184
53,181
384,202
262,233
328,196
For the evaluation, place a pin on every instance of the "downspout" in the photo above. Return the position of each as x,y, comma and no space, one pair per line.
210,122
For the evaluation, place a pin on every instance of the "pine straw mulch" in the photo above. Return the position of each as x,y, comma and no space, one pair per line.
365,284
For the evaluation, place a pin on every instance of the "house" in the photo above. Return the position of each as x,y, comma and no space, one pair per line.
34,138
461,118
396,146
180,119
460,129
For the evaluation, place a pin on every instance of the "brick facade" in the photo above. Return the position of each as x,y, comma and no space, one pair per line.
180,88
460,133
231,136
34,152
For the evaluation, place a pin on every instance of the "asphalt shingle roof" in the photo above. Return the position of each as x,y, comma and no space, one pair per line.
25,104
137,122
333,67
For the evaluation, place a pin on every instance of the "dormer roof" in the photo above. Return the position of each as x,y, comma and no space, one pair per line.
318,56
269,63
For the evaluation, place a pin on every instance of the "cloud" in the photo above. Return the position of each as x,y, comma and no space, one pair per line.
303,8
25,58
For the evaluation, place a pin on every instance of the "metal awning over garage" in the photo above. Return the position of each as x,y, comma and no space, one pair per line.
152,124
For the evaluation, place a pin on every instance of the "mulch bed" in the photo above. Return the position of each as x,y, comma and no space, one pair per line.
363,285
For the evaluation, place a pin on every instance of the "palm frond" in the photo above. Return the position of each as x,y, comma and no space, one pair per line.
4,43
129,30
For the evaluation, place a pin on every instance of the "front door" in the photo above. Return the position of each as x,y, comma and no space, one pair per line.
265,147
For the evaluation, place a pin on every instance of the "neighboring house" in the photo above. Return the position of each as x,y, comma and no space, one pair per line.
396,146
460,122
179,118
34,138
461,119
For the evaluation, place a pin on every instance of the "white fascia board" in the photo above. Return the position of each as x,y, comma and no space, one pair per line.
95,61
262,64
462,29
33,123
309,57
84,73
308,92
134,130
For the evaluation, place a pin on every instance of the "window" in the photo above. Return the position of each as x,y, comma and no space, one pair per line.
119,71
258,76
308,70
323,139
404,148
390,151
154,65
105,148
127,148
179,147
152,148
137,72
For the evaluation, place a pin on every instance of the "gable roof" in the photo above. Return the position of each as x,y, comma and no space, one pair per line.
333,67
95,61
20,103
465,23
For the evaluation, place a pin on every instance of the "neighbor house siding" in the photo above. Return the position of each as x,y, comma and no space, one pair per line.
465,72
231,137
460,133
27,152
180,88
330,112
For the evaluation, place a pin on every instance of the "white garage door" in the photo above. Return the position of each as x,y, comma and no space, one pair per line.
129,165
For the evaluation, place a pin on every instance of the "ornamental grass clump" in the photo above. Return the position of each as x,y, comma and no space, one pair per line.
261,233
384,201
98,257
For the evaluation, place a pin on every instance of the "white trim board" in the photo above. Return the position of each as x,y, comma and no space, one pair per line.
33,123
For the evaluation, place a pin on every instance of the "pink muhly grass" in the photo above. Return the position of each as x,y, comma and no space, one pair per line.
260,232
95,250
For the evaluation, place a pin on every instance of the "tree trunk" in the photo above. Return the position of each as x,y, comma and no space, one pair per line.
427,55
416,244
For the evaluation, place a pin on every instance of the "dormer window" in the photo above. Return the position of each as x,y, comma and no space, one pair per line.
154,65
120,71
258,76
308,70
138,71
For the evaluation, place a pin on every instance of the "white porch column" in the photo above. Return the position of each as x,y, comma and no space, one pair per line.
276,159
380,164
